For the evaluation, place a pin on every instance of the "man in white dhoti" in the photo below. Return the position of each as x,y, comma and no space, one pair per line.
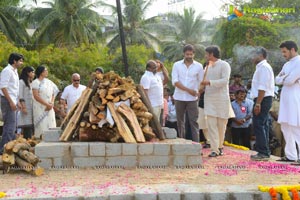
216,99
289,110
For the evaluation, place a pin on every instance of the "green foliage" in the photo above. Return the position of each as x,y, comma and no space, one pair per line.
246,31
138,55
62,62
187,30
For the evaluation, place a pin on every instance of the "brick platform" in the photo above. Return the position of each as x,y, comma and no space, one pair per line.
167,153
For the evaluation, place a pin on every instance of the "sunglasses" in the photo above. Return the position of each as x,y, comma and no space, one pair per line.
76,80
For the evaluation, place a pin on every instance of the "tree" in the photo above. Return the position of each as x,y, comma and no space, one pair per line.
137,29
187,30
246,31
66,23
9,24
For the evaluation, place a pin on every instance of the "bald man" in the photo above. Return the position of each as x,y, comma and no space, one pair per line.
72,92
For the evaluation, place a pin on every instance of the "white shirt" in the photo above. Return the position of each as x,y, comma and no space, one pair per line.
190,77
289,110
153,84
263,79
10,80
71,94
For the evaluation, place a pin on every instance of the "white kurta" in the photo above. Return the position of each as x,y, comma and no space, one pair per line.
216,98
289,77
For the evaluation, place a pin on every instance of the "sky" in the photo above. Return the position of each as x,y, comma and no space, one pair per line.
208,8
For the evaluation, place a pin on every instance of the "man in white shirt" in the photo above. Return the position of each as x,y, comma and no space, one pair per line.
262,92
9,85
289,109
217,106
153,87
186,77
72,92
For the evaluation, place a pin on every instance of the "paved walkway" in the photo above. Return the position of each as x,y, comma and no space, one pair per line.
232,176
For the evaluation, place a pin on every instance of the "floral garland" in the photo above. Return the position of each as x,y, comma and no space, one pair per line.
236,146
283,190
2,194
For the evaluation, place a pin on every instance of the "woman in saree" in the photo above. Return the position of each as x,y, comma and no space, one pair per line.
44,92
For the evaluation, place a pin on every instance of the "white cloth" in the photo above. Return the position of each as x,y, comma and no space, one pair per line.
71,94
190,77
153,84
289,77
46,119
10,80
202,119
263,79
291,136
216,98
25,94
171,112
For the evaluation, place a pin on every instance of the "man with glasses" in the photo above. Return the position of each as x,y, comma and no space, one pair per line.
72,92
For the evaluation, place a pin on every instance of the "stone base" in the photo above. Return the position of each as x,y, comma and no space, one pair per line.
178,153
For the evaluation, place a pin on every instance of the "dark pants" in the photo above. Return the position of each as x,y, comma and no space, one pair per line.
261,127
191,108
9,123
241,136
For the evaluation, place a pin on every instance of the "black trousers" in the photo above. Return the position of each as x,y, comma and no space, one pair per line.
241,136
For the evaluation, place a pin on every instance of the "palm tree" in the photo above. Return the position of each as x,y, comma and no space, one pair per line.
188,29
137,29
10,24
66,23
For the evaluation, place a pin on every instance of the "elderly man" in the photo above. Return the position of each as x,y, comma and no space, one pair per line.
72,92
262,92
186,77
216,99
289,110
153,87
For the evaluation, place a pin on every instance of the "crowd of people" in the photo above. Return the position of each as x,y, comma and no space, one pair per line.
28,102
203,103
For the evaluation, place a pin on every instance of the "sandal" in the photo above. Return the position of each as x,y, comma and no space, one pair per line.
285,159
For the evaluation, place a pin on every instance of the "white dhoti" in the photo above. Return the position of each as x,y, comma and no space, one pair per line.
292,136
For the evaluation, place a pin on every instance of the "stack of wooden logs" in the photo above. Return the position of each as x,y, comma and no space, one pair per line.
19,154
133,122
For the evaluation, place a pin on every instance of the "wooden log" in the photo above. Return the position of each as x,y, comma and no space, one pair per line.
109,97
8,147
116,99
123,129
128,113
28,156
8,158
102,93
72,110
146,115
78,114
21,146
104,101
102,108
154,123
89,134
115,90
82,124
94,127
101,115
24,165
92,108
96,101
